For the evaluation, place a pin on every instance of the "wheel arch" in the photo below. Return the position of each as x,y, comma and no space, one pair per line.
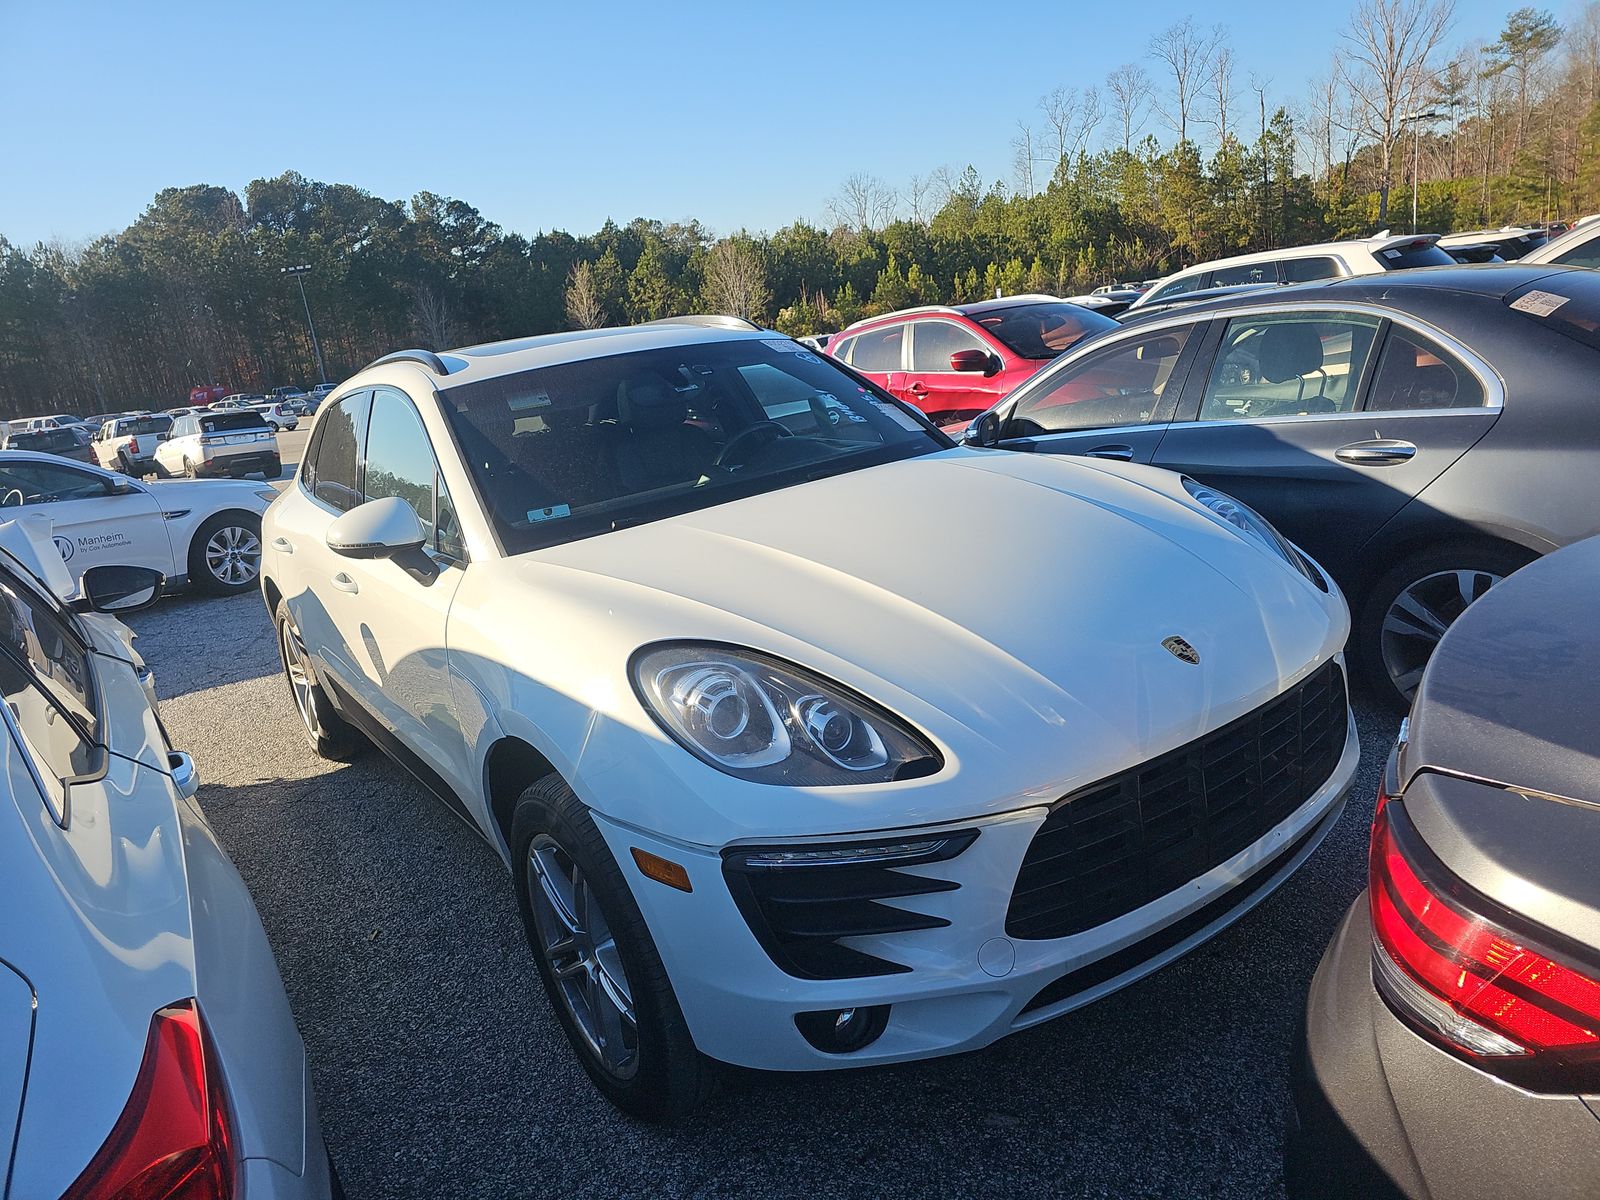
272,593
510,766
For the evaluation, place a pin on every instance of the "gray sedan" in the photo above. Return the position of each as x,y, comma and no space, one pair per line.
1452,1034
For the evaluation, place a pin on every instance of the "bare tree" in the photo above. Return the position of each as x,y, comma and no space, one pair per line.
864,203
736,280
1129,86
920,190
430,317
1222,95
1022,159
1187,53
1388,47
585,308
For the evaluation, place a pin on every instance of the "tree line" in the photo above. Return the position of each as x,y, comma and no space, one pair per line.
1169,161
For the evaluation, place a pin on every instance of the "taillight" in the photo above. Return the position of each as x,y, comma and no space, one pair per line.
173,1139
133,445
1467,973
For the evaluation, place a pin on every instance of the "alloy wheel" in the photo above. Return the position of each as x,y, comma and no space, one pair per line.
585,963
301,685
233,555
1419,617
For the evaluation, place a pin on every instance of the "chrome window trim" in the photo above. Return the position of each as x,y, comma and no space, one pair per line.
1494,392
1097,430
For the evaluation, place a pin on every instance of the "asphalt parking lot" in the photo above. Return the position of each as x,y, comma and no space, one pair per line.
440,1071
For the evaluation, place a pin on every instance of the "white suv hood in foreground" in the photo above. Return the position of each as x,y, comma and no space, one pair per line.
1011,607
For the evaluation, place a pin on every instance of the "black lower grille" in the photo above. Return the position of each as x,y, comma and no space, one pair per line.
1115,845
799,910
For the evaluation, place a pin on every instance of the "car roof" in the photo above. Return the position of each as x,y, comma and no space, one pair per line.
1490,280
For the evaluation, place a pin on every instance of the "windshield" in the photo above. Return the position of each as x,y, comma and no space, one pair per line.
568,451
1044,330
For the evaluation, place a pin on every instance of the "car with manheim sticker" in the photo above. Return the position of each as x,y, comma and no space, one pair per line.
205,534
781,779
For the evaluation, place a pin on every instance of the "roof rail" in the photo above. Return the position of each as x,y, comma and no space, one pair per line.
905,312
707,321
426,357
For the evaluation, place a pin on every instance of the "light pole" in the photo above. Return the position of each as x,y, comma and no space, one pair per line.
299,273
1415,120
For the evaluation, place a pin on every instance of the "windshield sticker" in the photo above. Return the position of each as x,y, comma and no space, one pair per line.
1539,304
523,403
551,513
784,346
807,356
899,416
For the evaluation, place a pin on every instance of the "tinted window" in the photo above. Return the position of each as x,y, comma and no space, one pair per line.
1304,270
43,483
231,422
1130,384
579,448
1414,373
1184,283
339,431
399,455
144,425
878,350
1288,364
1412,254
1042,331
1585,255
1259,272
46,441
933,342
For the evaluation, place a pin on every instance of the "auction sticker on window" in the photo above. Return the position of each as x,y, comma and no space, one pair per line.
899,416
1539,304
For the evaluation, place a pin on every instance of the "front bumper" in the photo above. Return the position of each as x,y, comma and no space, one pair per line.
969,984
1380,1112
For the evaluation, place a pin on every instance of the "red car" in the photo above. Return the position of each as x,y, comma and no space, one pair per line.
953,363
206,394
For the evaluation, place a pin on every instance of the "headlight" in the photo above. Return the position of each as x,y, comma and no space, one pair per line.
769,721
267,494
1251,524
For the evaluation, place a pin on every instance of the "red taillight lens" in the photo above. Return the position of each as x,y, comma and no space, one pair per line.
133,445
1471,981
172,1141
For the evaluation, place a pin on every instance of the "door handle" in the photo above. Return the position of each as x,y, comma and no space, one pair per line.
283,545
345,584
918,389
1118,452
1376,453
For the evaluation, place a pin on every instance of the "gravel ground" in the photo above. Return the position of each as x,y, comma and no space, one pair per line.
440,1071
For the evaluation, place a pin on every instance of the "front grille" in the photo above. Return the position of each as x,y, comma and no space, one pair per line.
1115,845
800,912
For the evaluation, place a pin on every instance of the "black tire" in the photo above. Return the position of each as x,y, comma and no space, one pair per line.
123,464
330,735
227,577
188,468
1377,660
672,1078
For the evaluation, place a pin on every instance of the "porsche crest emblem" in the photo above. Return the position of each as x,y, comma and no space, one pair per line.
1182,650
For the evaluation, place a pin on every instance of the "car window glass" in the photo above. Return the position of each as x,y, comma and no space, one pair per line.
1042,331
1414,373
933,342
399,455
1304,270
1178,286
878,350
45,483
447,536
1288,364
339,438
1258,272
1586,255
840,348
799,406
1125,385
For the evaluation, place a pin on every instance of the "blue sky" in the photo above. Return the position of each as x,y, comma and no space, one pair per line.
557,116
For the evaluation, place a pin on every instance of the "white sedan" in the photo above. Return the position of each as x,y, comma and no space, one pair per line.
146,1044
203,533
810,739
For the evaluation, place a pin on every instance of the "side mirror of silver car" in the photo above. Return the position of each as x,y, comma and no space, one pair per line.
377,529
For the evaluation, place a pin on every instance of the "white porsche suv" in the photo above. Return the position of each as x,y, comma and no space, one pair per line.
811,739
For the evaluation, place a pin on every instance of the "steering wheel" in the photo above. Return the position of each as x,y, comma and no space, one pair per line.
747,435
7,502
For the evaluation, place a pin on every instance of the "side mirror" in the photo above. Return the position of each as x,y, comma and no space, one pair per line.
121,589
984,432
377,529
970,361
121,487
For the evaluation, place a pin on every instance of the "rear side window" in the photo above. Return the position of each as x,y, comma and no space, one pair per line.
340,432
1420,253
1415,373
1585,255
1260,272
1180,285
878,350
1304,270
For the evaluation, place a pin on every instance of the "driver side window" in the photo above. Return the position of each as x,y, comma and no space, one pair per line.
1131,383
1289,365
45,483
